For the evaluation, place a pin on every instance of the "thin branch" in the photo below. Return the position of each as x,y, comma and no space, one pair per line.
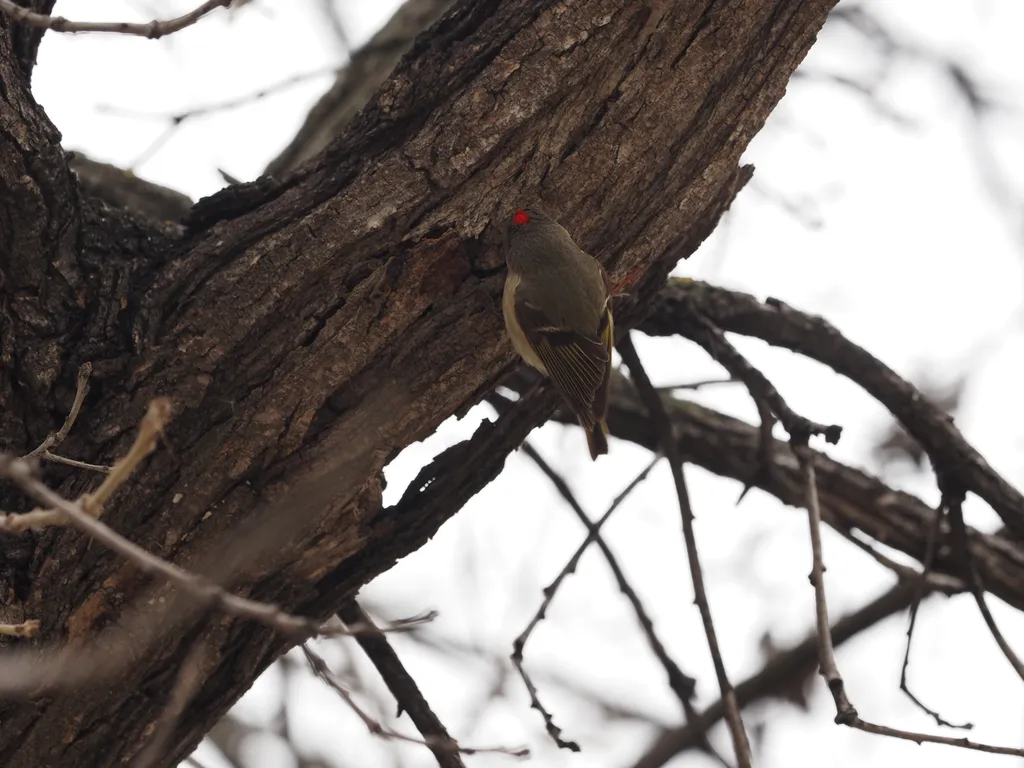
219,106
781,673
174,120
845,712
663,428
74,462
953,499
204,591
54,439
81,390
935,582
695,385
402,686
714,342
153,423
153,147
926,564
927,738
682,685
765,466
28,628
925,582
323,671
152,30
152,426
83,515
593,532
187,684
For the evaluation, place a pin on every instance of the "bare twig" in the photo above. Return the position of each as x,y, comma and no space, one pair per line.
695,385
153,423
952,499
784,671
204,591
54,439
927,738
846,713
187,684
593,533
926,564
765,466
663,427
174,120
177,118
81,390
402,686
157,416
928,581
56,459
152,30
714,341
681,684
323,671
83,515
28,628
152,427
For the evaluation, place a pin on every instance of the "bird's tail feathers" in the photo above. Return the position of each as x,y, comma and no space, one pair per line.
597,439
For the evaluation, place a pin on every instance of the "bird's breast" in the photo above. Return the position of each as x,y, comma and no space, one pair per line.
515,332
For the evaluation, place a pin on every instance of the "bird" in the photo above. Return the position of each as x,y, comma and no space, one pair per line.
557,309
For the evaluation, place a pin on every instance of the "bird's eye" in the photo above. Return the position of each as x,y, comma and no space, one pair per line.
520,218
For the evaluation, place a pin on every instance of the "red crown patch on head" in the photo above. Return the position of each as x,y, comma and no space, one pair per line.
520,218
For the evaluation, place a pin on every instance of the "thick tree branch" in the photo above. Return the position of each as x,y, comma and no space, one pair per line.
307,332
25,39
123,189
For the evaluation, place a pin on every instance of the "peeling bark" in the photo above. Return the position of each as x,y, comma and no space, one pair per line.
310,330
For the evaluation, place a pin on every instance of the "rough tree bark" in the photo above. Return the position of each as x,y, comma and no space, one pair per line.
309,330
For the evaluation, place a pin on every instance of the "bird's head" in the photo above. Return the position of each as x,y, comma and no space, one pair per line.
531,228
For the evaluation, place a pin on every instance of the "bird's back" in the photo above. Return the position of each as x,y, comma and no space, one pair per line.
571,288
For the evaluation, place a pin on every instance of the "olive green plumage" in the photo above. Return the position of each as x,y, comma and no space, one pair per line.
557,314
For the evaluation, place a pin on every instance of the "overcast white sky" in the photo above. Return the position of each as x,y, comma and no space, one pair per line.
911,256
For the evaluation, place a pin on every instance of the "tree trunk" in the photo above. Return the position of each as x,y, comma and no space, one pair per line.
309,330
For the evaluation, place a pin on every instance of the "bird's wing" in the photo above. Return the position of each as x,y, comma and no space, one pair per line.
578,364
607,333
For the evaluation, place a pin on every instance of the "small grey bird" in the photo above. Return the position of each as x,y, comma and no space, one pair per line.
558,316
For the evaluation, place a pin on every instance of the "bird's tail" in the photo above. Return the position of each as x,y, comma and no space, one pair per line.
597,439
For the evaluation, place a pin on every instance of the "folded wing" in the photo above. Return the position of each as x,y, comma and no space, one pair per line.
578,364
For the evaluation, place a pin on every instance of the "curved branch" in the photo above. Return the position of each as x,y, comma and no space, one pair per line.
814,337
